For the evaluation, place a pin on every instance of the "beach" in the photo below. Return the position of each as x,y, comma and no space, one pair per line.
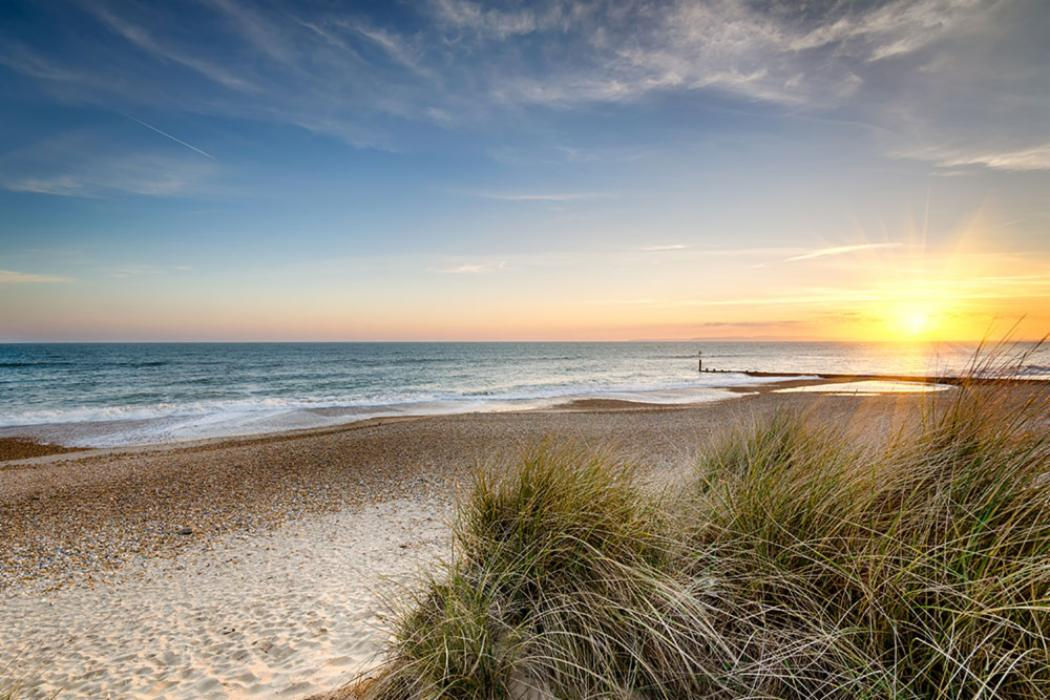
525,350
264,566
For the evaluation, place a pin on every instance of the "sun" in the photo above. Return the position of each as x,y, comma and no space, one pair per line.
915,322
911,321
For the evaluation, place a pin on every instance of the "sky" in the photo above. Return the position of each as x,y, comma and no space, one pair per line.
452,170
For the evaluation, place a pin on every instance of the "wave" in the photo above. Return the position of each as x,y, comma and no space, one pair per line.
89,364
246,409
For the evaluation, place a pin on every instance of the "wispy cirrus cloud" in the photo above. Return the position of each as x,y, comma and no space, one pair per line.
843,250
396,47
663,248
144,39
769,53
473,268
90,165
18,57
136,175
1031,158
540,196
256,29
146,270
15,277
456,63
493,21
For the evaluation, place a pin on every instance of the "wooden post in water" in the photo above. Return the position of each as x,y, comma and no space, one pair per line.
699,360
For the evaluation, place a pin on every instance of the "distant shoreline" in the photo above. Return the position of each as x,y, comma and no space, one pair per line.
955,380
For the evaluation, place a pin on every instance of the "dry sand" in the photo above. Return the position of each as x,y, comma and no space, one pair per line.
255,567
277,614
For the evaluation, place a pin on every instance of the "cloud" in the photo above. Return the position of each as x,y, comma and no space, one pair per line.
496,23
466,269
830,297
144,39
892,29
90,165
256,29
473,268
751,324
769,53
662,248
133,175
13,277
327,71
642,301
21,59
919,75
58,185
1022,159
395,47
540,196
842,250
145,270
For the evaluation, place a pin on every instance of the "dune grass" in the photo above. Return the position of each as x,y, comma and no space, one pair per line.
794,563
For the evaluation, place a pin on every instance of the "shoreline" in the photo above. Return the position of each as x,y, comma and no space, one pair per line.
21,444
183,424
951,379
262,480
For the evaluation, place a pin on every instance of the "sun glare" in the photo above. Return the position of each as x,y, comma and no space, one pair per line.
915,322
911,322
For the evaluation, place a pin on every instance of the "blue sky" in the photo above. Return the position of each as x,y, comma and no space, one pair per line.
219,169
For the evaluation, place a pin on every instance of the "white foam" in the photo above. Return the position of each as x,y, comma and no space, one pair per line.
113,426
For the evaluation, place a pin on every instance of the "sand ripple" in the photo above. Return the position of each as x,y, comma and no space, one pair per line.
277,614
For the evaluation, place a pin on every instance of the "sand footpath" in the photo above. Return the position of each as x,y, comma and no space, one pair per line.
284,613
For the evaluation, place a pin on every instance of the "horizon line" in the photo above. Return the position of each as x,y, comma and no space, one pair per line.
923,341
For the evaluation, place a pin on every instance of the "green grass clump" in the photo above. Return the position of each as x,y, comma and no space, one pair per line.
559,585
794,563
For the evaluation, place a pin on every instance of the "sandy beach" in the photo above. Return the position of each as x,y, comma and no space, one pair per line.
262,567
522,350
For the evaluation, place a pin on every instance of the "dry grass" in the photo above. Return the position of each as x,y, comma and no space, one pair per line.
793,564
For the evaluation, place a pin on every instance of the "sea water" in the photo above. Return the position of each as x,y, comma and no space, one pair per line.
131,393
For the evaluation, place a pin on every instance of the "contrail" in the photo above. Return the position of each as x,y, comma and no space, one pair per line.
166,134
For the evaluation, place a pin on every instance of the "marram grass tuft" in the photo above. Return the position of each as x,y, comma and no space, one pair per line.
793,564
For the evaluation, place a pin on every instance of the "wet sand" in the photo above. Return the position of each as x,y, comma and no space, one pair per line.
26,448
257,567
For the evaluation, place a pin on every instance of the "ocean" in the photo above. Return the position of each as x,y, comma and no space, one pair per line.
110,394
